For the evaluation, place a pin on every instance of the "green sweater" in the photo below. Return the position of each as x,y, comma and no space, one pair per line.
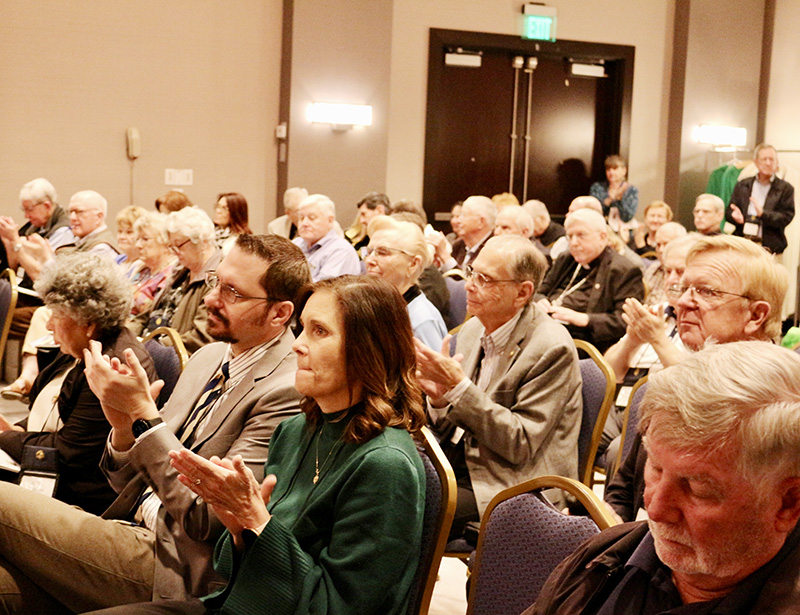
348,545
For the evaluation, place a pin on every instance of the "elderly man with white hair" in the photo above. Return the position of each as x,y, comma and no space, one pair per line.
286,225
477,219
545,231
513,220
722,492
654,274
328,255
709,210
586,288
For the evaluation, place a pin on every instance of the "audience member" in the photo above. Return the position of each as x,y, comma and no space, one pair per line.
545,231
709,211
227,403
654,274
180,305
561,245
328,254
155,265
722,494
455,222
230,220
618,198
174,200
45,216
477,218
286,225
339,533
510,410
126,238
651,342
372,204
513,220
89,299
587,287
643,239
398,253
763,206
504,199
731,290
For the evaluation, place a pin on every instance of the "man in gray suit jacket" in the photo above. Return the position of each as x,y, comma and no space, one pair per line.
508,405
156,540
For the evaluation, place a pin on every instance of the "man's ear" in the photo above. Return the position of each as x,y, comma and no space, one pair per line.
759,311
789,511
525,292
281,313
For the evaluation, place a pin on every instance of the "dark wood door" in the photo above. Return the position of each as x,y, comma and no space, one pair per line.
521,125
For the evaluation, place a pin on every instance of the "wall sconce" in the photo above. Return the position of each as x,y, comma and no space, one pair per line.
340,116
720,135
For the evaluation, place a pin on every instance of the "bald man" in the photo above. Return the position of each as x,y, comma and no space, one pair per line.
586,288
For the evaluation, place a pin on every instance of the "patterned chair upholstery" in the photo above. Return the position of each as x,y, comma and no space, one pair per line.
522,539
630,421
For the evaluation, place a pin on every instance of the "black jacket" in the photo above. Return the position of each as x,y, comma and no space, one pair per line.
778,211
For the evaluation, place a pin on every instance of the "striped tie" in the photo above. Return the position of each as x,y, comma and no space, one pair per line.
211,393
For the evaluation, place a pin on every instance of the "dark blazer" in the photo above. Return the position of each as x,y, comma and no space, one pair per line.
460,250
553,231
617,279
80,441
778,211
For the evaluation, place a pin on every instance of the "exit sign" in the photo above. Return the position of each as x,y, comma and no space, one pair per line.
539,22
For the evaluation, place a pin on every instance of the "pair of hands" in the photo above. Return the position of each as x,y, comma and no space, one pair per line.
644,324
564,314
438,372
615,192
227,485
737,214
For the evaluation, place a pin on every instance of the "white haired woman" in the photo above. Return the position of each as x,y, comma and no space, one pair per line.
155,262
180,305
398,252
89,299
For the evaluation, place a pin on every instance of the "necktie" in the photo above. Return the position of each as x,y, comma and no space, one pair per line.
211,393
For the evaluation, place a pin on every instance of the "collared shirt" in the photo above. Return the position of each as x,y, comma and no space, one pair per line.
239,366
759,193
101,249
469,256
330,257
493,346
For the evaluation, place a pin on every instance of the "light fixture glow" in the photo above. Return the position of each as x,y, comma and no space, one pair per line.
720,135
341,116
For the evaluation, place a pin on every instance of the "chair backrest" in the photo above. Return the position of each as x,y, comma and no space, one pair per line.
458,298
8,301
630,421
169,360
440,507
599,384
522,539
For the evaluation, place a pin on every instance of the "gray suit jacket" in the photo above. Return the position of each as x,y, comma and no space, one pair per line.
187,528
526,424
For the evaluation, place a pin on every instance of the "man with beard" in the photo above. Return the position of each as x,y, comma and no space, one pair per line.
723,497
227,403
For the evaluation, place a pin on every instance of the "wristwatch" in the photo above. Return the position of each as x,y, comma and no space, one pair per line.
142,425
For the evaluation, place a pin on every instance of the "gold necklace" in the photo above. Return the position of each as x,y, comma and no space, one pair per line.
317,469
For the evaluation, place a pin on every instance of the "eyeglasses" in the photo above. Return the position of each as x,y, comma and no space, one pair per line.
706,293
177,248
29,208
227,292
482,280
385,252
143,239
80,212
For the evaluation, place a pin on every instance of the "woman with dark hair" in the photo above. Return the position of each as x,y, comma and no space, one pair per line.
618,197
336,525
230,219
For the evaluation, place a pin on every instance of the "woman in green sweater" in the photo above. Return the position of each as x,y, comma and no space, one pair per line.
335,527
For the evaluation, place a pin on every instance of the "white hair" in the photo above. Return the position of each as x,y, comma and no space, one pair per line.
38,190
321,201
192,222
536,209
93,200
593,219
718,203
293,196
484,205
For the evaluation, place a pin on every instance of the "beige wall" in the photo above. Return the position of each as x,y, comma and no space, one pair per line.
340,53
722,85
645,25
197,77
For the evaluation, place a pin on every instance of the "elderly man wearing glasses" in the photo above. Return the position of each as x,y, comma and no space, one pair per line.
180,305
732,290
510,409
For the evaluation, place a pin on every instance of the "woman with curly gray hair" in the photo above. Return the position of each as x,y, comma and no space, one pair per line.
90,299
